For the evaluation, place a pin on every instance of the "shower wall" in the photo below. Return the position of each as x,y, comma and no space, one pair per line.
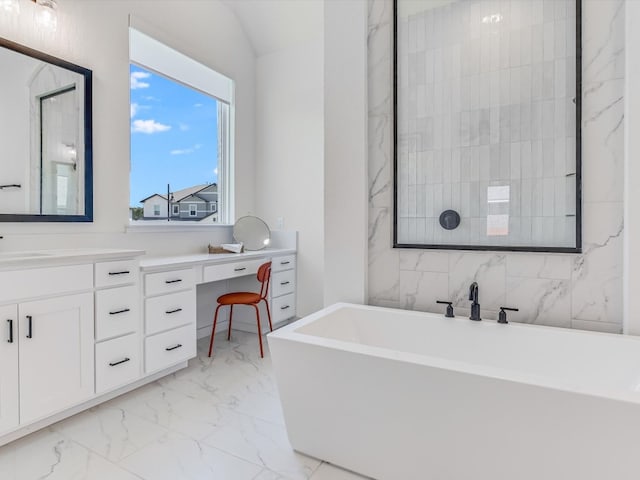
569,290
487,116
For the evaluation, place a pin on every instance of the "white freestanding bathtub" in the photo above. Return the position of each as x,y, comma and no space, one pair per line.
401,395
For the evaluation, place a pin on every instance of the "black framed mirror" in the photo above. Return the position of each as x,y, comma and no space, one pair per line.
46,156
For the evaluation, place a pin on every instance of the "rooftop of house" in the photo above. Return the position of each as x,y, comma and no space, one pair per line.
180,195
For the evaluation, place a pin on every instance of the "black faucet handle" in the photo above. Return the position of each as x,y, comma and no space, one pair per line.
502,316
449,313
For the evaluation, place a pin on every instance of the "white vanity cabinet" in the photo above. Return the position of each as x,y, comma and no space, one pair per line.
169,318
55,341
118,353
52,338
283,288
9,397
48,346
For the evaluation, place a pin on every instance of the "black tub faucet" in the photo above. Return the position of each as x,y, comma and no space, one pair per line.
475,306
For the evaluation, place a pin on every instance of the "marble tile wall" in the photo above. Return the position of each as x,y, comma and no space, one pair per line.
578,291
486,98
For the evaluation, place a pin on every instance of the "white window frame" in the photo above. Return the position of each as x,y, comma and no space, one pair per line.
175,208
156,210
193,209
158,57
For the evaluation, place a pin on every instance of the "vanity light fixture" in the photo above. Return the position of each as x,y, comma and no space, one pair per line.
46,13
10,6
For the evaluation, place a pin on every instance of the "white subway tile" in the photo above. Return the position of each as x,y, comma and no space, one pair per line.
514,158
548,41
560,37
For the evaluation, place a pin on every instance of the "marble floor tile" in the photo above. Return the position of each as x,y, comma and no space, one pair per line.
110,431
330,472
269,475
260,442
235,377
49,454
175,411
175,456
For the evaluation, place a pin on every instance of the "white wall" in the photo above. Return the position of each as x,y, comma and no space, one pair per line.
94,34
289,156
345,152
632,172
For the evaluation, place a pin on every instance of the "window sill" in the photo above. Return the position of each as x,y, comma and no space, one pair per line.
158,226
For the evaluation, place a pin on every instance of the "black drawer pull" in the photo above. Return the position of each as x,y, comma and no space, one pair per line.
30,332
285,283
168,349
10,331
285,263
124,310
285,307
239,269
173,281
123,272
173,311
126,359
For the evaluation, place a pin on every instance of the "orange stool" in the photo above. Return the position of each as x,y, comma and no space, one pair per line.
246,298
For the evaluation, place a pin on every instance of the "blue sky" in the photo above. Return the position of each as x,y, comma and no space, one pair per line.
174,136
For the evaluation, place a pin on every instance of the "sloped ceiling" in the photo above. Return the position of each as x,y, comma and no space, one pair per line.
273,25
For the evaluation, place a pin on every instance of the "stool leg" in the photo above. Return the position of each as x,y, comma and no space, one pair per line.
230,317
266,302
259,329
213,329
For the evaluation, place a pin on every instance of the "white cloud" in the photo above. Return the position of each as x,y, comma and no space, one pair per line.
185,151
136,80
148,126
134,109
198,105
215,171
184,127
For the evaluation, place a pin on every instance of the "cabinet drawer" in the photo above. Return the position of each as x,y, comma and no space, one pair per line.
283,308
231,270
120,272
283,283
41,282
117,312
284,262
168,348
117,362
170,281
169,311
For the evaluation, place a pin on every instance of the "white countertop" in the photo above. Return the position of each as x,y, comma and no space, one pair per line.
43,258
151,263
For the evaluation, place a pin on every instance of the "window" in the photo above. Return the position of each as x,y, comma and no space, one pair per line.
156,210
181,128
213,207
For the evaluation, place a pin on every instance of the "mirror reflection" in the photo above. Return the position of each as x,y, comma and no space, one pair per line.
45,119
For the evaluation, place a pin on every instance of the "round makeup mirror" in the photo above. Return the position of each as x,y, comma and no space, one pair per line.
253,232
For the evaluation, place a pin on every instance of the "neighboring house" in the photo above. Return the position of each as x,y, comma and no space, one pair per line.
193,203
154,206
